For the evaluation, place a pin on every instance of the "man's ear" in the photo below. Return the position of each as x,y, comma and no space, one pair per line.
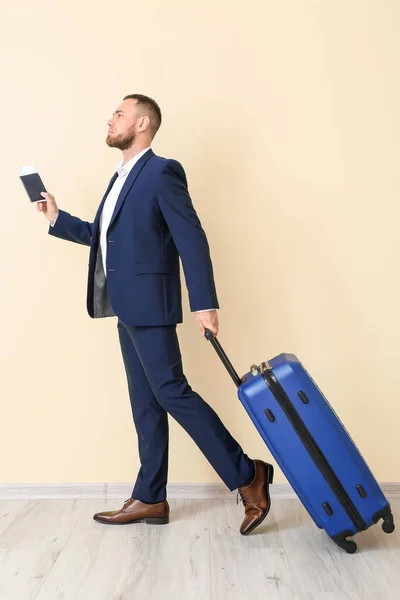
143,123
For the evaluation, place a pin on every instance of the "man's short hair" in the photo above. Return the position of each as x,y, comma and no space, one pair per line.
149,107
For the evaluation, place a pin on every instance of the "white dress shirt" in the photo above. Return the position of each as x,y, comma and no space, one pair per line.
110,202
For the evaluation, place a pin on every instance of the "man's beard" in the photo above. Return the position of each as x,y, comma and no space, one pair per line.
123,141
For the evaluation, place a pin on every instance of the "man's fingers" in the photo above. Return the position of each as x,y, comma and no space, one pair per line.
47,196
213,329
208,320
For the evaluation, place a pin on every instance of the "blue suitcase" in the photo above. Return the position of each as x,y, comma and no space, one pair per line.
311,446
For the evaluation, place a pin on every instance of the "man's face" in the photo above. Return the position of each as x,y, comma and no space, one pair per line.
122,125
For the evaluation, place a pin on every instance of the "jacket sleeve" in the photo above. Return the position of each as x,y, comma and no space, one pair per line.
70,228
188,235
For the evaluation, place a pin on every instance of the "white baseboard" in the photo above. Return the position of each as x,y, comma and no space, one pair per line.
123,490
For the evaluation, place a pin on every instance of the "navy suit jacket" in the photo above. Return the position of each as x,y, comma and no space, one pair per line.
153,223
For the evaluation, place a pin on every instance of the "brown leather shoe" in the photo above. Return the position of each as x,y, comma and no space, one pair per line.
255,496
135,511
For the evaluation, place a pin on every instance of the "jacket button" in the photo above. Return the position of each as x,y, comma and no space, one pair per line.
110,241
111,269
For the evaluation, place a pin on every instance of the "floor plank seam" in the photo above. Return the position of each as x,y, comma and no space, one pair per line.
62,550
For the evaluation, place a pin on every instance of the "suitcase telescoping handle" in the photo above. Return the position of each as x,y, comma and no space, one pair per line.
219,350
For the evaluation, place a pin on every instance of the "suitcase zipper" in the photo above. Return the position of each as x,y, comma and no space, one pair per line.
313,449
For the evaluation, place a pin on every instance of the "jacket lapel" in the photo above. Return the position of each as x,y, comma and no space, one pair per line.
134,172
97,217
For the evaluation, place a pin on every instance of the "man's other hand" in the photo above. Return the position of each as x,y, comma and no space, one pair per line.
208,320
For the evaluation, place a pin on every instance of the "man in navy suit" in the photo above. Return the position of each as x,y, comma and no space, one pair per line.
145,222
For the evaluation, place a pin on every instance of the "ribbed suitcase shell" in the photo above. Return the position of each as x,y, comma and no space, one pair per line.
294,458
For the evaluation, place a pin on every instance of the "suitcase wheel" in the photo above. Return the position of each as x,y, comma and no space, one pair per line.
388,525
387,516
348,545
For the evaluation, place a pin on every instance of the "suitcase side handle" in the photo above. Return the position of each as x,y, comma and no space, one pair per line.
225,360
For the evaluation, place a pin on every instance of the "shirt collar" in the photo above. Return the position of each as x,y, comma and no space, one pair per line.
124,169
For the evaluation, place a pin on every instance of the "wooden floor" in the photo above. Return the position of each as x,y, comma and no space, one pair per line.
52,549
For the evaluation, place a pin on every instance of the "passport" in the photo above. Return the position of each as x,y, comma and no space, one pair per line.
33,186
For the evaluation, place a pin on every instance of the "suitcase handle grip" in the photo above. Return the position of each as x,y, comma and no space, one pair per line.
225,360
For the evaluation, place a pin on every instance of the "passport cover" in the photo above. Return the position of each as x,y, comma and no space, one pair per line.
33,186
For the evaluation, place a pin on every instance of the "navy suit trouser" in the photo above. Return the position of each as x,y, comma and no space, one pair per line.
157,386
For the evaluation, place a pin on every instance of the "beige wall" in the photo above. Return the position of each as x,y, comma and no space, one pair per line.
285,116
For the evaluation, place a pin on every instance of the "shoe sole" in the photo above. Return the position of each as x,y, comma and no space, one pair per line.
270,478
148,521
